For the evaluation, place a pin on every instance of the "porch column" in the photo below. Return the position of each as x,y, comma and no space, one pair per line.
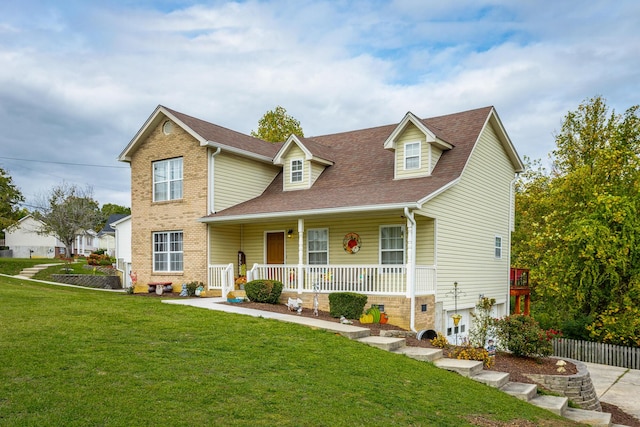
411,253
300,274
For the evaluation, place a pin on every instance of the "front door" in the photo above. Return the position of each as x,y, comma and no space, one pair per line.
275,248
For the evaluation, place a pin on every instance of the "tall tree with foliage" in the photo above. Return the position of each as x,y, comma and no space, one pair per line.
66,211
276,126
109,209
10,199
578,228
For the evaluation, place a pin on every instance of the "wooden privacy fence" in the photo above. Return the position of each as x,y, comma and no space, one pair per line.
595,352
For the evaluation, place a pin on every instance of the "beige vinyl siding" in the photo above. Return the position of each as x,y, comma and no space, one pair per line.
316,170
295,153
238,179
435,156
469,216
224,244
412,134
425,238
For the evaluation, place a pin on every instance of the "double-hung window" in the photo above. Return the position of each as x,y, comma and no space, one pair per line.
412,155
167,180
167,251
318,246
498,247
392,244
296,170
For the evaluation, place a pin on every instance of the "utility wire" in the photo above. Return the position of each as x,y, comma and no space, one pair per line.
65,163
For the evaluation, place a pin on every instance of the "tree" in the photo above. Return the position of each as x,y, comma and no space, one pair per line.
276,126
578,228
109,209
66,211
10,199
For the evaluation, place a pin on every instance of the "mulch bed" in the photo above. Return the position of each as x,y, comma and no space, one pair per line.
504,362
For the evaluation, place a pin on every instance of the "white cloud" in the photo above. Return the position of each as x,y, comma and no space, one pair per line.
77,82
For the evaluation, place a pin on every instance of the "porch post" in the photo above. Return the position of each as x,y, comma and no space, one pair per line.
300,275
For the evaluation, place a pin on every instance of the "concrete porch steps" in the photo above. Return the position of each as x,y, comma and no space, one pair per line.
384,343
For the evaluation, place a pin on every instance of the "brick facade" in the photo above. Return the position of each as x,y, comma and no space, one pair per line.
175,215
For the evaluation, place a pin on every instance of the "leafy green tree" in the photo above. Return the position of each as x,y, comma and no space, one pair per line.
67,210
578,227
109,209
276,126
10,199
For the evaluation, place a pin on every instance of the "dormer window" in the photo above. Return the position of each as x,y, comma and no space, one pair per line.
412,156
296,170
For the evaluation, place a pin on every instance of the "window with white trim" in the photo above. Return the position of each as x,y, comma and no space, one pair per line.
318,246
296,170
392,244
412,155
167,251
167,180
498,247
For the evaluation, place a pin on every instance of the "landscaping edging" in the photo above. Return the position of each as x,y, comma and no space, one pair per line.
578,387
101,282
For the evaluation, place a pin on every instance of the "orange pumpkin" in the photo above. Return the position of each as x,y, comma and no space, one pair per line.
384,318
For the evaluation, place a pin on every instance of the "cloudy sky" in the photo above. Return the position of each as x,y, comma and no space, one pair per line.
78,78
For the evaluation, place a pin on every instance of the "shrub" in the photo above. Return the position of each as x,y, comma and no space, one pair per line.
468,352
523,336
482,326
263,291
440,341
347,304
192,286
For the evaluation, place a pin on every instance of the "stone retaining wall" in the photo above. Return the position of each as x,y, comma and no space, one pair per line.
578,387
90,281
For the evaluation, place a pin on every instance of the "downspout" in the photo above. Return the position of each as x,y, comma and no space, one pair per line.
300,274
211,204
512,217
411,265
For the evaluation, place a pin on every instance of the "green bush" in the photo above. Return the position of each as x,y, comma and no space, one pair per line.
347,304
192,286
263,291
523,336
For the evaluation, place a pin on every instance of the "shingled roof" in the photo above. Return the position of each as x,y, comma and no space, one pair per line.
362,177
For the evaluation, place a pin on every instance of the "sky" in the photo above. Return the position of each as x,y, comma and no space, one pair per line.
79,78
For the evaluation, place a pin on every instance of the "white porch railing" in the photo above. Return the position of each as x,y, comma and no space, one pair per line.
370,279
221,277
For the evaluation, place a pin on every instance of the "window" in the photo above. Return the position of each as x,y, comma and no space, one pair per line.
167,251
498,247
392,244
412,156
296,170
167,180
318,246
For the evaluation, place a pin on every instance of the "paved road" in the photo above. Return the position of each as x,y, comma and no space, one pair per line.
617,386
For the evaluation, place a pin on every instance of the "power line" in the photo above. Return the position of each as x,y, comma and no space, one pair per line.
65,163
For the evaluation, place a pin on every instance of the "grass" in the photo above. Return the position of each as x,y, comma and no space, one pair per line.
77,357
66,268
13,266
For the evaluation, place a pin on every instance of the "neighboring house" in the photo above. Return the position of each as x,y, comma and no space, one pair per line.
107,236
122,229
397,212
25,242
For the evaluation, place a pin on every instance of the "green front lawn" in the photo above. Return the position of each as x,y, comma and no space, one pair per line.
13,266
77,357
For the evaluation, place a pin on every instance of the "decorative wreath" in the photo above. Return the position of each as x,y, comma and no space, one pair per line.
351,243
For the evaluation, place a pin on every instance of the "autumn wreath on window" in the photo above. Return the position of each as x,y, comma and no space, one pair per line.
351,243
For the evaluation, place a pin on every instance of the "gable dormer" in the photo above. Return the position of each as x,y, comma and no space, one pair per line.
302,161
417,149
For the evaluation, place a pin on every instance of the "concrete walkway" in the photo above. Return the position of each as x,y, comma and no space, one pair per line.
617,386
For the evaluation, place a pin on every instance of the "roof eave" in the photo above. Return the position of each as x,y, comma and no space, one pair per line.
308,212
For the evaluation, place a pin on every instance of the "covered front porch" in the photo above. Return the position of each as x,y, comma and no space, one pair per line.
367,279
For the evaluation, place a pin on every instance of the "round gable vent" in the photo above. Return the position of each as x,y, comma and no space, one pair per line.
167,127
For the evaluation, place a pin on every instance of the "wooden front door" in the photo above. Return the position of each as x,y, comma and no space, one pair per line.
275,248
